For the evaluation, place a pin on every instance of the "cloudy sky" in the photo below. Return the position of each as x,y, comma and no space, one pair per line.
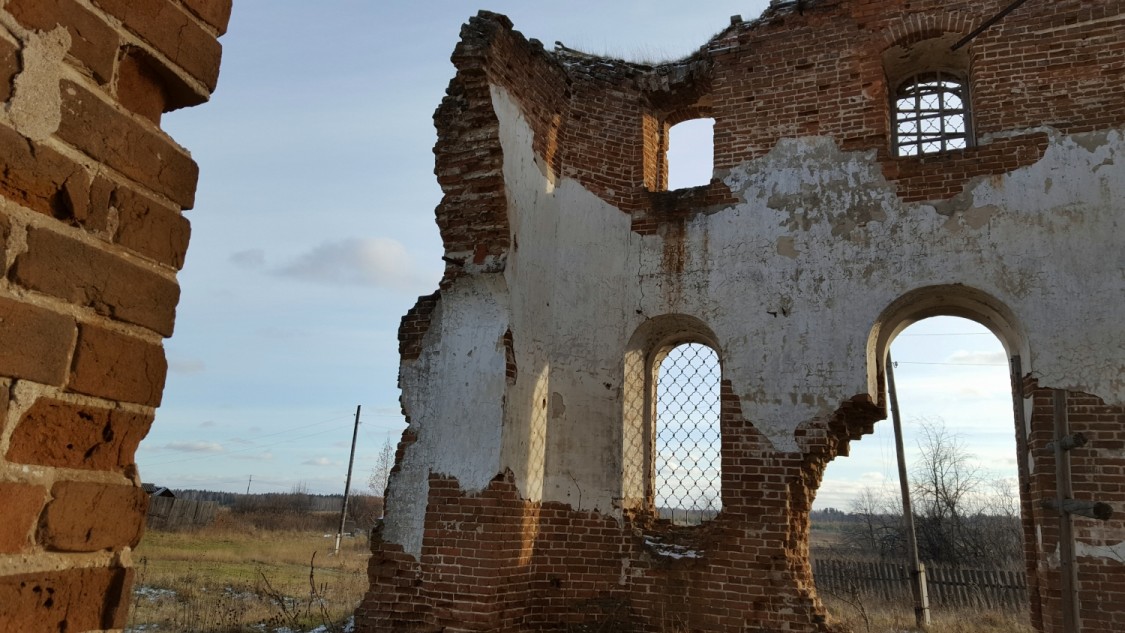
313,233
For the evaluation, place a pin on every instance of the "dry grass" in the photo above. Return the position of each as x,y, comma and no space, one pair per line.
229,578
869,616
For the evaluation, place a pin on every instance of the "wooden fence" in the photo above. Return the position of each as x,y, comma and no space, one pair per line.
948,587
167,513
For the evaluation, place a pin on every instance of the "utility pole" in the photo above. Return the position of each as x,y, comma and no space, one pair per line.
248,484
917,569
348,484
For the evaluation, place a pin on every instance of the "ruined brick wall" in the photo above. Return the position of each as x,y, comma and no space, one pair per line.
522,493
91,237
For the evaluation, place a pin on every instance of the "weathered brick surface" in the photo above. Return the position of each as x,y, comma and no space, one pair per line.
1096,471
213,12
91,277
493,561
9,67
139,87
88,516
93,41
169,29
116,366
40,178
44,340
414,325
91,226
5,232
151,228
5,397
55,433
113,137
73,600
22,505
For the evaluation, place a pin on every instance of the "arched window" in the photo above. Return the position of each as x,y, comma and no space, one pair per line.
687,466
931,114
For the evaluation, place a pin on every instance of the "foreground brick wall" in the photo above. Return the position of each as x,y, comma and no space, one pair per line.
568,265
91,237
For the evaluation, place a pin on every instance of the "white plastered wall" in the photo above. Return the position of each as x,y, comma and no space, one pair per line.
791,279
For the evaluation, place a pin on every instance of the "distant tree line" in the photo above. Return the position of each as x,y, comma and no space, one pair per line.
294,510
962,516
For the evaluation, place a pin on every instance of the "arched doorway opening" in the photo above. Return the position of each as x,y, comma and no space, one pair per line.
955,356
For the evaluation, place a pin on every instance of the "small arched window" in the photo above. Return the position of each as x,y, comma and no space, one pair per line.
687,461
931,112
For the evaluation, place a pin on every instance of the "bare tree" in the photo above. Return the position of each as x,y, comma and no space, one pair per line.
381,473
946,490
962,516
878,530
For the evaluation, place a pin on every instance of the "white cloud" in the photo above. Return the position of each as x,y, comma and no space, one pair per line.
841,493
379,261
195,447
208,424
249,259
319,461
186,366
964,357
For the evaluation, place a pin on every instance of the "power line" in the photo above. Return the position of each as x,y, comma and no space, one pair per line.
950,334
243,450
916,362
306,426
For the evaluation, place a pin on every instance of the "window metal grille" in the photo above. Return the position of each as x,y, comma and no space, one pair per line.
931,114
688,466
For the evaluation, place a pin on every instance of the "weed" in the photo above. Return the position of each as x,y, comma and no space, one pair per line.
223,580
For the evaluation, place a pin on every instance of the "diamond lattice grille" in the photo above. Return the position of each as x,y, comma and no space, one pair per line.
930,115
687,469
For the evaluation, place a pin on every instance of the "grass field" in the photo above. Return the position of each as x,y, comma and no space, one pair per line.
229,578
869,616
232,577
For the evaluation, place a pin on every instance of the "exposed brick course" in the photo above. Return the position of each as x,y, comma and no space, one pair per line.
116,366
39,177
87,516
93,42
91,277
139,87
56,433
151,228
414,325
91,233
169,29
72,600
214,12
46,339
123,143
22,505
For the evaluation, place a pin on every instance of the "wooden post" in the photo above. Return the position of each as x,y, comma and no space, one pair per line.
348,483
917,570
1063,491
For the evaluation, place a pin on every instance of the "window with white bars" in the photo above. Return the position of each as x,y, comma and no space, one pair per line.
687,469
931,114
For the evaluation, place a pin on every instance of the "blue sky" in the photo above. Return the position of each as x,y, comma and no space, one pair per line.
313,233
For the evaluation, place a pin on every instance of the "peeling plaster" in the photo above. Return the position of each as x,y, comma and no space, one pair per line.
791,279
35,109
453,393
1115,552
